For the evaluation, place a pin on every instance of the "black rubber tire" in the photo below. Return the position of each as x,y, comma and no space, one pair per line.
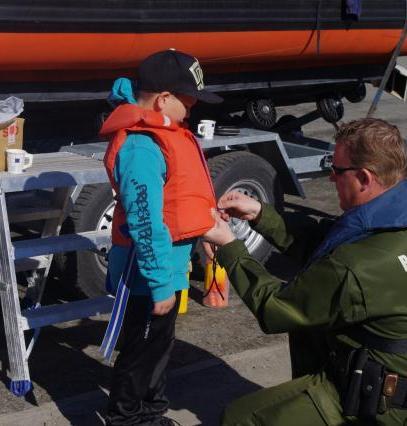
242,170
258,117
331,108
85,269
357,94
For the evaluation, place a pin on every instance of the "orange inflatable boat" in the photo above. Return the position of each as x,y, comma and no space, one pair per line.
242,44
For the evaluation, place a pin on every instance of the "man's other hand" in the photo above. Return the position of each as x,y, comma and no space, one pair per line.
163,307
241,206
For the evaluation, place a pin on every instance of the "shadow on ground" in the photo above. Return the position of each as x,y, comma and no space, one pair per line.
63,366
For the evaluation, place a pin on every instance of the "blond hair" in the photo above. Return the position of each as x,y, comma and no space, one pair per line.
375,145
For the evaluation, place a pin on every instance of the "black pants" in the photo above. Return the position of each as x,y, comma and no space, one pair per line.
139,374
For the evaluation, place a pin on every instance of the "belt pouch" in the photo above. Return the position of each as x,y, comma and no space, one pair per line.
372,384
353,393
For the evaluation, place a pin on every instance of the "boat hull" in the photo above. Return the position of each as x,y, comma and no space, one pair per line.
242,44
66,57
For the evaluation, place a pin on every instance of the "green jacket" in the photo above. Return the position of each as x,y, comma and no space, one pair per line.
364,281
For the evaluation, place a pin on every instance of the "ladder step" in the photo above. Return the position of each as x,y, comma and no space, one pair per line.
54,314
33,213
30,206
62,243
30,263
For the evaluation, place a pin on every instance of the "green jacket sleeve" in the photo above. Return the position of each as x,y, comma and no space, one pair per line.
273,228
327,295
293,234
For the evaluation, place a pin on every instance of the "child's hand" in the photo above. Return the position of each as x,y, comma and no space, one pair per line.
163,307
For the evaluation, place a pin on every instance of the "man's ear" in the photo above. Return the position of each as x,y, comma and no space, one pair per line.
366,178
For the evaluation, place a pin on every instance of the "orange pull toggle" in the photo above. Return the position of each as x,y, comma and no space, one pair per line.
216,287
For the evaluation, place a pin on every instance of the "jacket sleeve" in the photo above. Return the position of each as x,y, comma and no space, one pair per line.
294,234
327,295
140,172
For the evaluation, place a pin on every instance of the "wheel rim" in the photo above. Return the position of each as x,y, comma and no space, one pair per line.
261,113
105,223
241,228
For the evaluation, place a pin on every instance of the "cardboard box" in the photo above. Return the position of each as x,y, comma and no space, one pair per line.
11,136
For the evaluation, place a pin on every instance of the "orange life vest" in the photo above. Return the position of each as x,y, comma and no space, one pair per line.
188,191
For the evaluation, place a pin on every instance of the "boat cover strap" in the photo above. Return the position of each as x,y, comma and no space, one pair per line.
354,8
319,26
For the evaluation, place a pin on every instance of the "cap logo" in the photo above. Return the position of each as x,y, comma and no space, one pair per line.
197,73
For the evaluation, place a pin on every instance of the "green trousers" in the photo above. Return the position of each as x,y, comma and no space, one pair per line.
307,401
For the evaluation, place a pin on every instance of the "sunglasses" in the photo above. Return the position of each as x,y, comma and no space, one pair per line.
341,170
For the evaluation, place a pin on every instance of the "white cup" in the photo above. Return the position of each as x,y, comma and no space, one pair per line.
206,129
18,160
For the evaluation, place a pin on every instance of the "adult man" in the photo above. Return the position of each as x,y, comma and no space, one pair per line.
164,198
351,292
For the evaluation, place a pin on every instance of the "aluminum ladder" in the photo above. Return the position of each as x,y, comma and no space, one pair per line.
44,192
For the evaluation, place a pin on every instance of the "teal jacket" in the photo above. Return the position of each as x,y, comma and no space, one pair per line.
140,160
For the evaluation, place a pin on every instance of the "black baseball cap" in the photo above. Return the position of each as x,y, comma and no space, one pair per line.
175,72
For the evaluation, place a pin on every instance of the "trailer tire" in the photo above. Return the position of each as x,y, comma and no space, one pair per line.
357,93
331,108
253,176
261,113
87,270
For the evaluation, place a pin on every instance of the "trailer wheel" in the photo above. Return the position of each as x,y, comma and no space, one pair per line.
357,93
262,113
93,210
331,109
254,176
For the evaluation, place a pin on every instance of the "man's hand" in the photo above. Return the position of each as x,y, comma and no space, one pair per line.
163,307
221,233
241,206
207,248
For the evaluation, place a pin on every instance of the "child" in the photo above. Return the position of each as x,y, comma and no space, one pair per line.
164,200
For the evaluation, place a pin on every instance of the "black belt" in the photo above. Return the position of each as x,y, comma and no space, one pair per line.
366,386
370,340
396,385
393,389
